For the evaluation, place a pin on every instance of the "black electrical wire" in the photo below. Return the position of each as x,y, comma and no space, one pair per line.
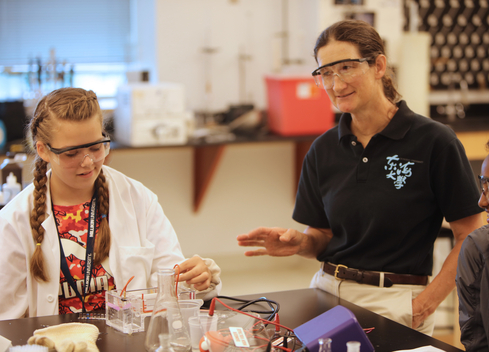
274,306
286,340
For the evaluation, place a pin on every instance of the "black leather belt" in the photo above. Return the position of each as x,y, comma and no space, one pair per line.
342,272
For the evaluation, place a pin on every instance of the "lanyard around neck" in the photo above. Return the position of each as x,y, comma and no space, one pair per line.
88,256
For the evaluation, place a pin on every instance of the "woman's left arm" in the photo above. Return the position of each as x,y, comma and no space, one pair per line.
443,283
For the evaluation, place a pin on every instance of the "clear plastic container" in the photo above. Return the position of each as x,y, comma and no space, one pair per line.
126,311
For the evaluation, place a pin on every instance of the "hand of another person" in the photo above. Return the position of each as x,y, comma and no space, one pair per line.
419,315
195,272
276,242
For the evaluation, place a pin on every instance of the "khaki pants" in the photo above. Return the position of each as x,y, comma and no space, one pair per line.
393,302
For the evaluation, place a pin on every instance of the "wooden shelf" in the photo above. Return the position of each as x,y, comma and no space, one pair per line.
206,158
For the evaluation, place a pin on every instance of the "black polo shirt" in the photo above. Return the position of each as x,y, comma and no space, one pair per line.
385,203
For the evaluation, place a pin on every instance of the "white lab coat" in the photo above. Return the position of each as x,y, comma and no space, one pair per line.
142,242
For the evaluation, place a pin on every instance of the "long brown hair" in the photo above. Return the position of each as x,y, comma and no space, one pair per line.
71,104
368,42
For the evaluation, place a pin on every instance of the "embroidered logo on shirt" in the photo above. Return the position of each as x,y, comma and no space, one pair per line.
398,171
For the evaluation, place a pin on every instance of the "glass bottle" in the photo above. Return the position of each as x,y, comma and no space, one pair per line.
11,165
166,331
324,344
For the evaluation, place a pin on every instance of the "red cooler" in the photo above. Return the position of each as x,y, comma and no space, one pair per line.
296,106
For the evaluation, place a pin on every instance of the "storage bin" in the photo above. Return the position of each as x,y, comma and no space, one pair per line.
296,106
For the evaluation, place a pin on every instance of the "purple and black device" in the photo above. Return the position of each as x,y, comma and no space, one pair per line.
340,325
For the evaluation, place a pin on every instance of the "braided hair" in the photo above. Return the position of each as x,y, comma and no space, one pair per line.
70,104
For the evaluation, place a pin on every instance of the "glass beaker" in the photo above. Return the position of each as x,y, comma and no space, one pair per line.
166,331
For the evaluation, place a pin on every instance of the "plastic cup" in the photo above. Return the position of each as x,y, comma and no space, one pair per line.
189,308
198,326
186,309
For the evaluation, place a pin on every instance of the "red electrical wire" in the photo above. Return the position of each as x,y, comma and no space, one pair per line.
177,267
213,307
125,287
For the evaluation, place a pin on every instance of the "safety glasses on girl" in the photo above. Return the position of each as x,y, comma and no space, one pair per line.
74,156
346,70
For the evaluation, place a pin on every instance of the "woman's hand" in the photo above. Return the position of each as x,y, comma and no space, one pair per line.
419,315
195,272
275,241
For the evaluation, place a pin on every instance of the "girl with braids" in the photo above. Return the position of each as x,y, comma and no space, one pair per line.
374,190
81,227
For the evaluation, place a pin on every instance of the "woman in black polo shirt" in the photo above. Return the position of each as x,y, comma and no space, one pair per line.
375,189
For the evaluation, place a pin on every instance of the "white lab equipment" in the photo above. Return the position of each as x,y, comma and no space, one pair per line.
151,114
11,188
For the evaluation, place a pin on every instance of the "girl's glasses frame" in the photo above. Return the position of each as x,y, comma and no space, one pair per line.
75,160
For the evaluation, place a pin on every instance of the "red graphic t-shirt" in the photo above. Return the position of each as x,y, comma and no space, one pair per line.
72,224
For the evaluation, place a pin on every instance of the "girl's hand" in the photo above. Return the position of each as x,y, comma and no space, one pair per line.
195,272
